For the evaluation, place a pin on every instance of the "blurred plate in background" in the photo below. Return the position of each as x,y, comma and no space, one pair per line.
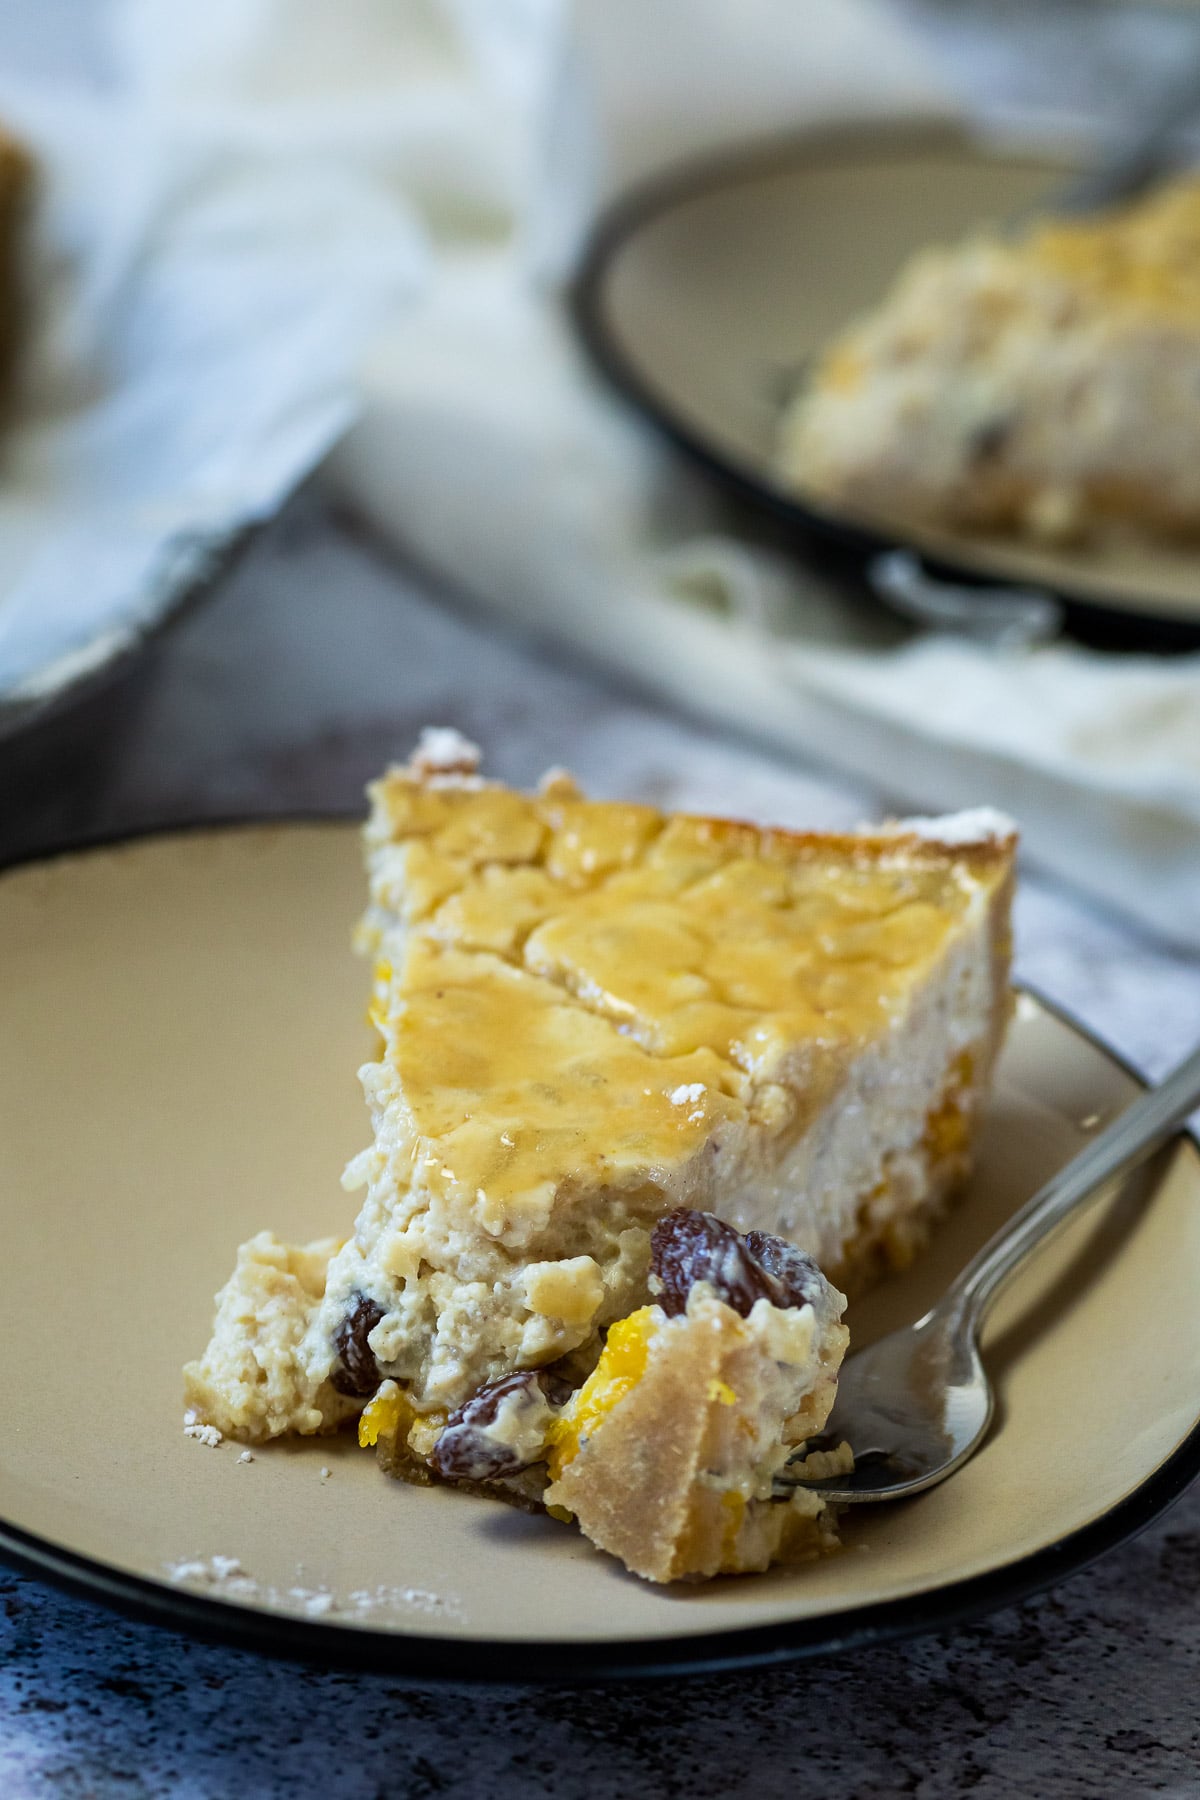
704,296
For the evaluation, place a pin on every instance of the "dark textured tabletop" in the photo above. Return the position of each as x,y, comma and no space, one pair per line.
315,661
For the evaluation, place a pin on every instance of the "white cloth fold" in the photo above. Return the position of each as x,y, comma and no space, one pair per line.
289,175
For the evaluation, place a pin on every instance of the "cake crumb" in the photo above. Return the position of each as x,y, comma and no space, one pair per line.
313,1603
424,1601
225,1577
204,1434
189,1571
246,1456
824,1465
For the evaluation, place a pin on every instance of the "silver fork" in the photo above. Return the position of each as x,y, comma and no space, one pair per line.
914,1406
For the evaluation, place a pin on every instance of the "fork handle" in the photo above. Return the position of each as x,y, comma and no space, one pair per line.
1129,1140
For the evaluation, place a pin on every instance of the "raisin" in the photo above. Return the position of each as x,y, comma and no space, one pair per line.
466,1452
687,1247
555,1384
359,1372
989,440
796,1273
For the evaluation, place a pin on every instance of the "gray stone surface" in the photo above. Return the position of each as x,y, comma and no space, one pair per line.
313,663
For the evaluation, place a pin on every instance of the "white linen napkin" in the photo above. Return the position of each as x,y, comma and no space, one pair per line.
453,152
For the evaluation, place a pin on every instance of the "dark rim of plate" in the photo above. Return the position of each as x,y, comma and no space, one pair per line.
1096,619
562,1662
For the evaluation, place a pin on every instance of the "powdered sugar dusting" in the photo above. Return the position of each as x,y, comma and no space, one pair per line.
976,825
687,1094
443,751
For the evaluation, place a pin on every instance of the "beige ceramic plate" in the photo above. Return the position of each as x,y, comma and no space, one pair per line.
705,296
181,1027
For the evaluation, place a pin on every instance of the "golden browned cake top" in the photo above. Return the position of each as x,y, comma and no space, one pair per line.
587,988
1144,256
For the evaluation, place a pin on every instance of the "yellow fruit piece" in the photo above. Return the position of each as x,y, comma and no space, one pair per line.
948,1128
378,1008
381,1416
622,1365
